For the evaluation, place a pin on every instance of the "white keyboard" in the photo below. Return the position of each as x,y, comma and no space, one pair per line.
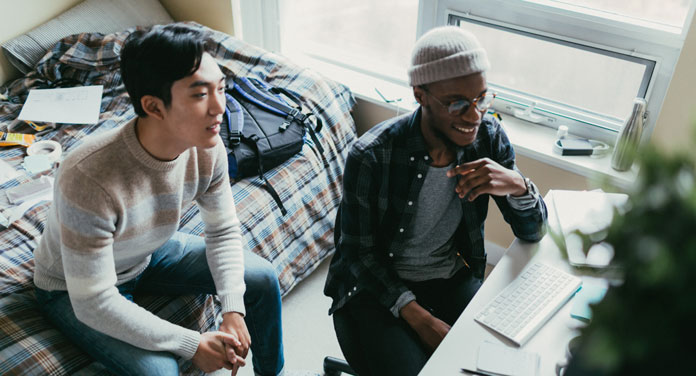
528,302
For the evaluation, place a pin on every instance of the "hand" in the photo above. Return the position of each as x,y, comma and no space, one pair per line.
233,323
429,328
487,176
213,352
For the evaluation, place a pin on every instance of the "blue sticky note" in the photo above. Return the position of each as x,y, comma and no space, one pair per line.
588,294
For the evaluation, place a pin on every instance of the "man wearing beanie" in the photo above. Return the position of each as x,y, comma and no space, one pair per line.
409,230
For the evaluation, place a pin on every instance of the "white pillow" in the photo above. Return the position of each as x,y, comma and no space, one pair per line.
102,16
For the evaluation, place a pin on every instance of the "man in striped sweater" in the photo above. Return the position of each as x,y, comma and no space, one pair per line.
112,229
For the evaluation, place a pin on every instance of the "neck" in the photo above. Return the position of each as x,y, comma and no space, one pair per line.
439,148
149,133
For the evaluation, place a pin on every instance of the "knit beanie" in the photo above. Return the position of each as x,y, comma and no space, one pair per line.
446,52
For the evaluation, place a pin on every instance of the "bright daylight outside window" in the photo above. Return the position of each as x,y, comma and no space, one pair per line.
365,35
578,62
575,77
666,12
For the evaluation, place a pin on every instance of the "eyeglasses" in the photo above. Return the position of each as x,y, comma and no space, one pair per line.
482,102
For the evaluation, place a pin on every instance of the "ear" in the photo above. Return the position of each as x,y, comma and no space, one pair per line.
419,94
153,106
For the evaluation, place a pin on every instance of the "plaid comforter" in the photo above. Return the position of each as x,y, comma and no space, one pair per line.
309,186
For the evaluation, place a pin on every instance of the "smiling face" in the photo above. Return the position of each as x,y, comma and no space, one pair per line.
198,103
191,119
437,123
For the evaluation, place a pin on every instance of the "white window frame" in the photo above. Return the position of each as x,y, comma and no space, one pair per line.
617,34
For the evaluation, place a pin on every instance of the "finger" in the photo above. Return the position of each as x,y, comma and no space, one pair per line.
466,167
240,361
234,370
469,182
229,339
244,352
459,170
228,365
230,354
487,188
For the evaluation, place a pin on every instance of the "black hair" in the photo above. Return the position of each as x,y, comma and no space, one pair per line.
152,60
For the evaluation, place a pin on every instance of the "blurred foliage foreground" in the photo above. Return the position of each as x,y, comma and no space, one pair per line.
646,325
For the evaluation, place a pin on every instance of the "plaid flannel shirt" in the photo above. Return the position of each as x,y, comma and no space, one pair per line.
383,177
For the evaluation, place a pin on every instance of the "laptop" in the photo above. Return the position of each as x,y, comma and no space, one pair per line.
589,212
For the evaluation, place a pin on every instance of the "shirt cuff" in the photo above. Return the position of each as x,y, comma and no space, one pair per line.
232,303
189,344
405,298
526,201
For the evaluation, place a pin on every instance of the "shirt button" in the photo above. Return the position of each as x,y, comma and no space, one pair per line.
413,159
425,157
350,293
355,288
401,229
410,203
420,176
391,254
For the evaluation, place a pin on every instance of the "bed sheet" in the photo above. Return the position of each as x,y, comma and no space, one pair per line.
309,186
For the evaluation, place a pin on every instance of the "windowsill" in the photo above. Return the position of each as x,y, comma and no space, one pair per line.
530,140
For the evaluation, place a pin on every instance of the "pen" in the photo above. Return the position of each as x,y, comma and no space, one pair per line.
478,373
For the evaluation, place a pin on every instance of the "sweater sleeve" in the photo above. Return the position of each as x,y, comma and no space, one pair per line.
223,237
87,223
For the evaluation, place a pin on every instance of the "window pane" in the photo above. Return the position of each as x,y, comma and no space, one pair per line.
668,12
365,33
561,73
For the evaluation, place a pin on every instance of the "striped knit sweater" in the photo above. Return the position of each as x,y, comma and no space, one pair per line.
114,205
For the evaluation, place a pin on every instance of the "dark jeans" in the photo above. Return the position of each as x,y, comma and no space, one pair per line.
374,342
179,267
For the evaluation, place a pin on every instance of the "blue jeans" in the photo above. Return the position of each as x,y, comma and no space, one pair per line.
179,267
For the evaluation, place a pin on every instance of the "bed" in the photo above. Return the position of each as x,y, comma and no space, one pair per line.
309,186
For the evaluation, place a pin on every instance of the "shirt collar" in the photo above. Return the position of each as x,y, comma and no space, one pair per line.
415,142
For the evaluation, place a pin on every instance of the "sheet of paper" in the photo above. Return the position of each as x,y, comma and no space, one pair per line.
503,360
75,105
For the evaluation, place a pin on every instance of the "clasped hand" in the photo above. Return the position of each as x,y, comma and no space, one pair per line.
226,348
485,176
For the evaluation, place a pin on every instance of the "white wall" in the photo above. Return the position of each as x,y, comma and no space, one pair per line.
677,121
18,17
216,14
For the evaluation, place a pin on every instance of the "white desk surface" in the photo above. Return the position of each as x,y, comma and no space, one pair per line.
460,346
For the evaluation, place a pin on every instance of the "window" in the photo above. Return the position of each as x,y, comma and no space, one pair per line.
579,63
565,81
367,35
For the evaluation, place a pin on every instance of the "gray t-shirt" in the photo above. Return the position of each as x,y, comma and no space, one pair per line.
426,252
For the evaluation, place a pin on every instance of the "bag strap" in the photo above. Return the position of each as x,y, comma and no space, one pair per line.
313,135
304,120
296,112
234,128
250,92
251,141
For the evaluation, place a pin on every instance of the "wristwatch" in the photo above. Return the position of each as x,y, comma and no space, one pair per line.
529,185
